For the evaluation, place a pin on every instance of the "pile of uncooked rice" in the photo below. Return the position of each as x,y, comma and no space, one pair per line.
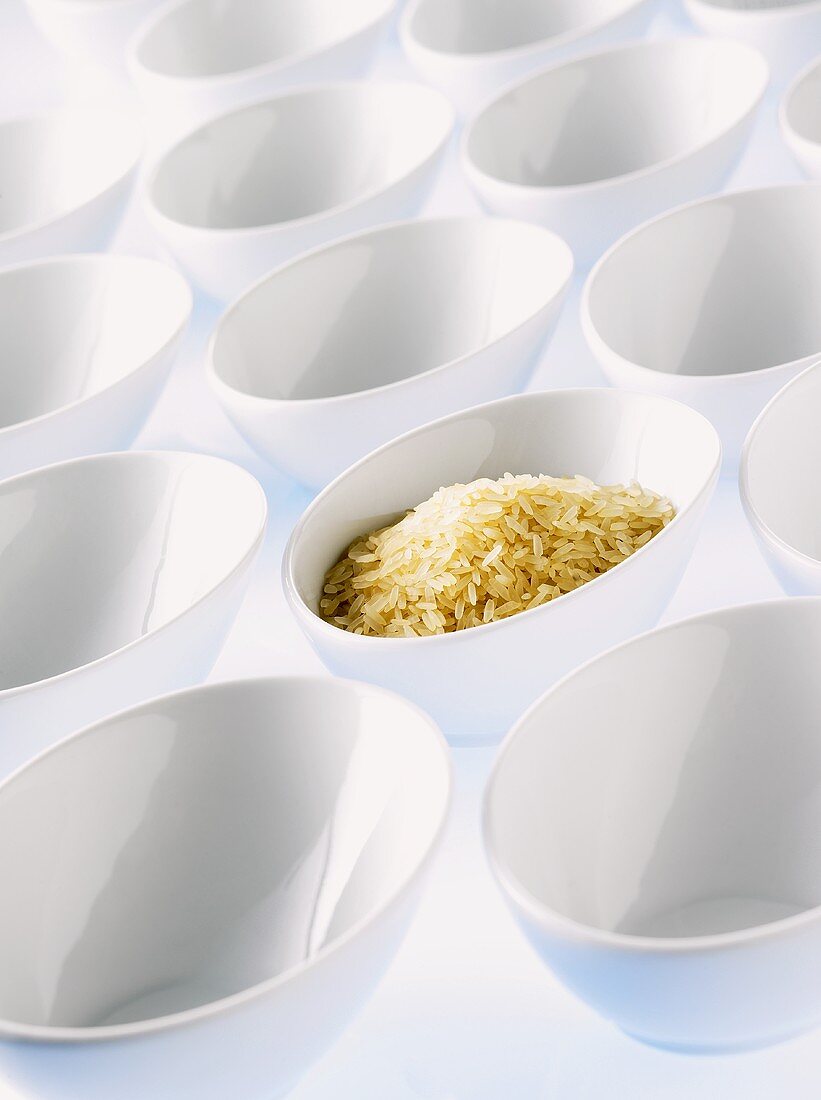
477,553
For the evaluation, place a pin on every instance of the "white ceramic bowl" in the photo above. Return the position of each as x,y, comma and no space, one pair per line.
66,178
800,118
475,682
714,304
120,576
86,344
91,31
780,482
343,349
594,146
471,50
788,32
202,891
653,823
257,186
197,58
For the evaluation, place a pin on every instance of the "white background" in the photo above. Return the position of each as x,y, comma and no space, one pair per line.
466,1012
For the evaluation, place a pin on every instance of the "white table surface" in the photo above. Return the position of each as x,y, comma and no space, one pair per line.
466,1011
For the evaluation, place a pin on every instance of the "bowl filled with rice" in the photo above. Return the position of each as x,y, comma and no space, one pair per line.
471,563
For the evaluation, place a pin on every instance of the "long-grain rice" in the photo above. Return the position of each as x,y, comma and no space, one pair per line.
478,553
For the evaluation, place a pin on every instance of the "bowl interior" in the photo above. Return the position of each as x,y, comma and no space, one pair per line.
299,155
673,787
204,843
616,112
55,163
803,106
206,38
463,27
99,552
70,328
720,287
603,434
385,306
757,5
782,465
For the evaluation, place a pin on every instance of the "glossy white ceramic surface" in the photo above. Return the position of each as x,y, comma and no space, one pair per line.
475,682
780,483
788,32
255,187
800,117
341,350
95,32
653,822
86,344
713,304
120,576
197,58
470,50
66,176
200,892
593,146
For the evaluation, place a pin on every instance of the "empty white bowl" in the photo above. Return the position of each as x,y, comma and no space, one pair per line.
256,187
86,344
780,482
800,118
788,32
91,31
653,823
202,891
470,50
66,178
343,349
475,682
714,304
120,576
594,146
196,58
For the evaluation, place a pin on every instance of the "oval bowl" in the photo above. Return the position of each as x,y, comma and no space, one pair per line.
593,146
238,864
196,58
799,118
357,342
255,187
120,576
67,176
86,345
469,51
788,32
712,304
92,31
780,486
476,681
652,823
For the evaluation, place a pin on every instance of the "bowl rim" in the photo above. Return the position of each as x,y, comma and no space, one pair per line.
553,41
796,7
698,42
305,614
126,457
789,131
744,489
435,100
165,10
552,241
57,115
103,260
570,929
596,341
39,1033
